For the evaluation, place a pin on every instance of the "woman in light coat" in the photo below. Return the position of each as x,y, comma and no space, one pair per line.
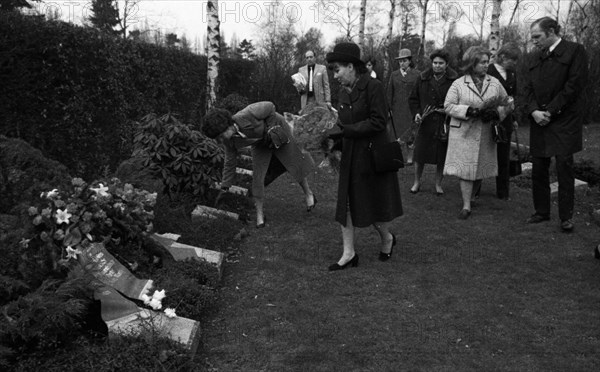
474,101
248,127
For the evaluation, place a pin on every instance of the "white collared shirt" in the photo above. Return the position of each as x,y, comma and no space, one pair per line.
501,70
553,46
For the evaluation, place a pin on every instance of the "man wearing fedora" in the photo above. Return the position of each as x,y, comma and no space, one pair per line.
317,82
399,89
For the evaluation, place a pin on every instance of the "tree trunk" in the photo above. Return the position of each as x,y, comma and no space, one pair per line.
387,60
494,39
213,47
423,4
361,25
482,21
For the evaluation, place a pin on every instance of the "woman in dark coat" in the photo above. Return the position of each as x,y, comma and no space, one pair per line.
430,144
364,196
248,128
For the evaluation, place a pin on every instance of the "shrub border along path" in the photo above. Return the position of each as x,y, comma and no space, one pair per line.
488,293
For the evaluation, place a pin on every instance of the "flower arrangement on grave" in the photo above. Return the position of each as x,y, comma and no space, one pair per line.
65,222
74,226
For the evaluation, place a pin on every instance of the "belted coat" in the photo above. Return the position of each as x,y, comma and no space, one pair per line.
371,196
556,83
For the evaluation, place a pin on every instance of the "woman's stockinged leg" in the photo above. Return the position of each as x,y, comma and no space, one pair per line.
466,189
348,241
387,238
310,197
418,174
439,176
260,216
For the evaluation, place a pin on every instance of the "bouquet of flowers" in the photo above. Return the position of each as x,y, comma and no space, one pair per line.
66,222
411,133
299,81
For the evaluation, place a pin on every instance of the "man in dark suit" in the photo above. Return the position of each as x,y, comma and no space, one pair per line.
503,69
556,78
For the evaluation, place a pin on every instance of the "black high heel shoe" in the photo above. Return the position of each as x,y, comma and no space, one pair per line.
386,256
353,262
261,225
308,209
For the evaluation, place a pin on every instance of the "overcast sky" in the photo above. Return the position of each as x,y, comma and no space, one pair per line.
243,17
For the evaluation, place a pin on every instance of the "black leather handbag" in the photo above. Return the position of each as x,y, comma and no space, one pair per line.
514,166
388,157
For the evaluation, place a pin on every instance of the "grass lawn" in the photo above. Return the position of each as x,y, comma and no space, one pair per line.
489,293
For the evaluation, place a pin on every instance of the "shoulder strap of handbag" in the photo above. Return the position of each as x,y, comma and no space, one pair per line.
389,112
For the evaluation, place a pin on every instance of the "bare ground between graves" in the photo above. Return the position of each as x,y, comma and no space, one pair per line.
489,293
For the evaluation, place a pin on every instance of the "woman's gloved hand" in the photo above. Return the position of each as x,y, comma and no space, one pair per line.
490,114
473,112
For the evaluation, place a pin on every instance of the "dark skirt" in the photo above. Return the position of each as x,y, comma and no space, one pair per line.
428,148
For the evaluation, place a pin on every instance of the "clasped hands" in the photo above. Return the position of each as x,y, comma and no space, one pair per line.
486,115
542,118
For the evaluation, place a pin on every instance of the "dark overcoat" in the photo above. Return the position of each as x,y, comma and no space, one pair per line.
372,197
510,86
428,148
555,83
398,91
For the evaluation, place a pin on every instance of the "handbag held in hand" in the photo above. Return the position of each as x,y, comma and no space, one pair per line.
514,166
388,157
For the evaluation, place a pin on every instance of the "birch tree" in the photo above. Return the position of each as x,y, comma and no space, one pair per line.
494,38
423,5
213,52
361,24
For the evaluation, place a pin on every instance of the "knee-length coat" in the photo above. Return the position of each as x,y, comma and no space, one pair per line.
372,197
427,92
471,150
252,121
398,91
556,83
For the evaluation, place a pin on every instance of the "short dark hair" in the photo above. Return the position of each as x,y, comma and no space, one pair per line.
215,122
360,68
371,59
510,51
547,23
472,57
441,53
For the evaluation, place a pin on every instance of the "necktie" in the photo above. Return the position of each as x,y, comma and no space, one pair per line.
310,79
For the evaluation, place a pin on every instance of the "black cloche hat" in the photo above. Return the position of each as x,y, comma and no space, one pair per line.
345,52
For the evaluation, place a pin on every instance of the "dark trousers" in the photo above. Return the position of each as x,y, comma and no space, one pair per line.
540,176
503,178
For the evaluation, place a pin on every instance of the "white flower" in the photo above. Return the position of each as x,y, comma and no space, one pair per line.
159,295
62,216
170,313
52,194
101,190
155,304
146,299
72,253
